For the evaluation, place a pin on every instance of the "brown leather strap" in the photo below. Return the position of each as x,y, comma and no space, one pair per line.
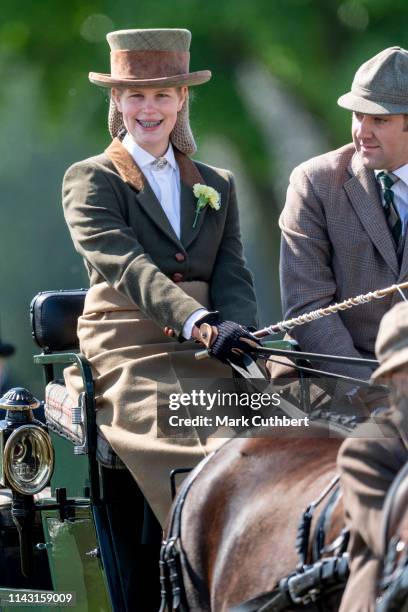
128,64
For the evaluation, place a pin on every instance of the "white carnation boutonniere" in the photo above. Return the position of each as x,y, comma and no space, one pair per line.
206,196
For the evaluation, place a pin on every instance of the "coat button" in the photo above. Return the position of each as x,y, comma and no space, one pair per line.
177,277
180,257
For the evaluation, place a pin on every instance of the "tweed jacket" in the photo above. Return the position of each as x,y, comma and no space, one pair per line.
336,244
120,229
368,464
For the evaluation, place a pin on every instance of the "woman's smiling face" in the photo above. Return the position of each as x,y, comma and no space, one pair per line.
150,114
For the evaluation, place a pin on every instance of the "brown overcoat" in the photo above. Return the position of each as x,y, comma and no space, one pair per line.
368,465
336,244
134,259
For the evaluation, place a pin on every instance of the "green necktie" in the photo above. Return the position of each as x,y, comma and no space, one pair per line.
387,180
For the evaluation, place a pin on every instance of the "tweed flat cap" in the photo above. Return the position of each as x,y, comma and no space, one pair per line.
380,86
391,346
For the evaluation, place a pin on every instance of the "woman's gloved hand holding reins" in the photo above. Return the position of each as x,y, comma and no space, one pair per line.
225,340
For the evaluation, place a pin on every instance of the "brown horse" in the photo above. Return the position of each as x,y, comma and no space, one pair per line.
236,534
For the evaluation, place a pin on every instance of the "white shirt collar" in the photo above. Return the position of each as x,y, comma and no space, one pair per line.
142,157
401,172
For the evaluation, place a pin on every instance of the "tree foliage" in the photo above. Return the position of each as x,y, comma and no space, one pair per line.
52,115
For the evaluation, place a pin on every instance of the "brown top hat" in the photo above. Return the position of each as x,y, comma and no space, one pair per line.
380,86
150,58
391,346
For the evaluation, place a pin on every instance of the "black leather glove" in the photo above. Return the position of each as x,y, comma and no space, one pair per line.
231,341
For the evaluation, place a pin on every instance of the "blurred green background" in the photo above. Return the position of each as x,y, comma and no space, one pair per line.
278,69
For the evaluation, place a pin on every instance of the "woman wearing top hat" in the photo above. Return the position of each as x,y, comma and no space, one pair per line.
160,259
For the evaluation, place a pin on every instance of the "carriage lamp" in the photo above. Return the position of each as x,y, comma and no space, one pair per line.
26,452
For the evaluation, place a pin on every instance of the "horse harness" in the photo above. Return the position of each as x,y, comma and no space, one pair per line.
306,585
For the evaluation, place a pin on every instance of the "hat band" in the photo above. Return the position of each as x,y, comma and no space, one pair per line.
379,97
139,65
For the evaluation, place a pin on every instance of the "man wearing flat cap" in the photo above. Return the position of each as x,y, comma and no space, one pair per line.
369,462
345,218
